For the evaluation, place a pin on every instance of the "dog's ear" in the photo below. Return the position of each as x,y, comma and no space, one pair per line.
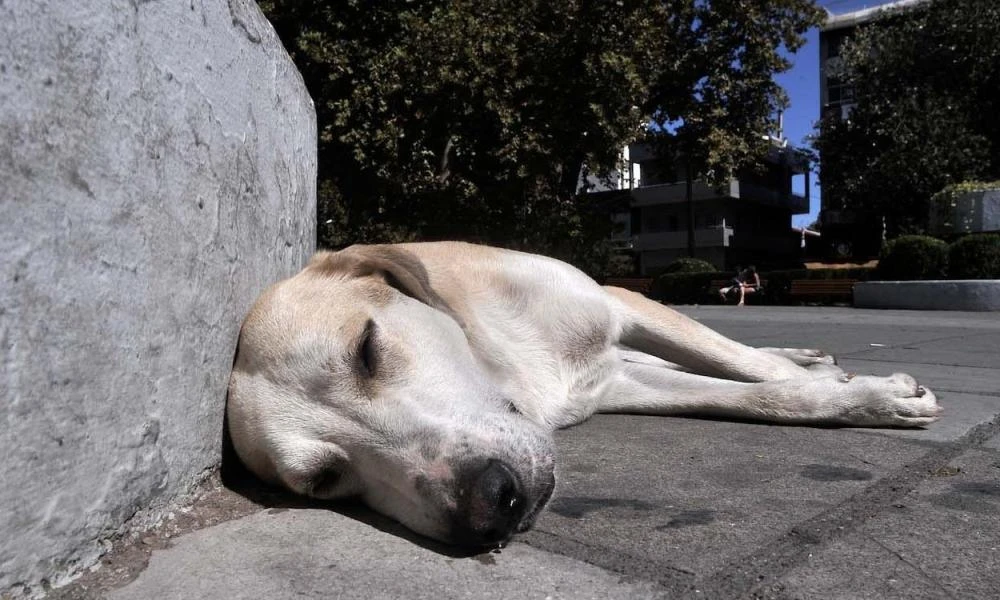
398,268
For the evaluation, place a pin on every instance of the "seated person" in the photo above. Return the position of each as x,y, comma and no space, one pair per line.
747,281
750,283
734,284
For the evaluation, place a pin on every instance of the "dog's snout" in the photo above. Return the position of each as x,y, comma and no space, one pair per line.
491,505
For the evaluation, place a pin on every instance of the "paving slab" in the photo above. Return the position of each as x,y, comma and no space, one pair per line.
677,499
789,318
942,540
971,339
965,348
316,553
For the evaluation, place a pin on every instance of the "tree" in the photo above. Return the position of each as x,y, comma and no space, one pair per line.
927,112
473,119
719,98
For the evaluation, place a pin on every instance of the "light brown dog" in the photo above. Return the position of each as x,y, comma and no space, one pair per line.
426,379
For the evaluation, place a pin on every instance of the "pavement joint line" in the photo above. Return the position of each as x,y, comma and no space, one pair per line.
765,566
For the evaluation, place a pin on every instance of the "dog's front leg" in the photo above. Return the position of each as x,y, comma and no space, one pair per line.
862,401
655,329
816,361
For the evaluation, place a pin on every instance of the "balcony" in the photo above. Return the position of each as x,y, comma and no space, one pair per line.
674,193
799,205
714,237
671,193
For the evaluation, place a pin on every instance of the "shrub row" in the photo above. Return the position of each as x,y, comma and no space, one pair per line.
914,257
686,288
688,265
695,288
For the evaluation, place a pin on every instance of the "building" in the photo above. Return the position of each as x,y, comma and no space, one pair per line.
847,234
836,96
747,220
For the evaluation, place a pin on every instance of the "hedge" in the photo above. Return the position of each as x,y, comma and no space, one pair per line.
975,256
910,257
695,288
686,288
689,265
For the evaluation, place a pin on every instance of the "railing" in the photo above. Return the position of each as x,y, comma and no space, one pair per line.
670,240
672,193
771,197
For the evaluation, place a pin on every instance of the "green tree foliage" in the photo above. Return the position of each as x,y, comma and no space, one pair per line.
927,87
715,91
472,119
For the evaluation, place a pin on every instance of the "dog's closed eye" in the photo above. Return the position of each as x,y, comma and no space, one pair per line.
367,355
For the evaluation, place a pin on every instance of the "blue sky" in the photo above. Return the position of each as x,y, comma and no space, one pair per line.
802,84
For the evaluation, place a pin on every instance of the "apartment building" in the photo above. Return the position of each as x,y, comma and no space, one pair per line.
745,220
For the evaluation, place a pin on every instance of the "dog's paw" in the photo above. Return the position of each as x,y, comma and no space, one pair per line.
894,401
816,363
826,369
803,357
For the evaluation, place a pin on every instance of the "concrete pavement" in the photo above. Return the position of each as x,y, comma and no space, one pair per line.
664,507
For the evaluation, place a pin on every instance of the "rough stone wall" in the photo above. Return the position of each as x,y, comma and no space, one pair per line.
157,171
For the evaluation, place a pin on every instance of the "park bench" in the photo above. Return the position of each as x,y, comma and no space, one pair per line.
826,288
635,284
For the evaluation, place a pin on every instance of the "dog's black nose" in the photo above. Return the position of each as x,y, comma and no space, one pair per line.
491,504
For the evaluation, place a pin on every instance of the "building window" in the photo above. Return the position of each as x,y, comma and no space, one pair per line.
833,44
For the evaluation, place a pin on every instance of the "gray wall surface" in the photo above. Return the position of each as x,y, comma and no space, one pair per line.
950,294
971,212
157,171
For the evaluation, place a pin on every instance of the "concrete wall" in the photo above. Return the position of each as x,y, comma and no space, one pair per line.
958,294
971,212
157,170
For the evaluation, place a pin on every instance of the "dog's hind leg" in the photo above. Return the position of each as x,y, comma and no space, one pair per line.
862,401
652,328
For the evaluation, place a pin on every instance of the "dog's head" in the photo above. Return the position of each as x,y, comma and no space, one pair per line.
354,378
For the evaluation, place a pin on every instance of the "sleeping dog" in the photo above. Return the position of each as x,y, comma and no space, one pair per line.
426,380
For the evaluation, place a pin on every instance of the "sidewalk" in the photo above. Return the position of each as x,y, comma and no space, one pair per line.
667,507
